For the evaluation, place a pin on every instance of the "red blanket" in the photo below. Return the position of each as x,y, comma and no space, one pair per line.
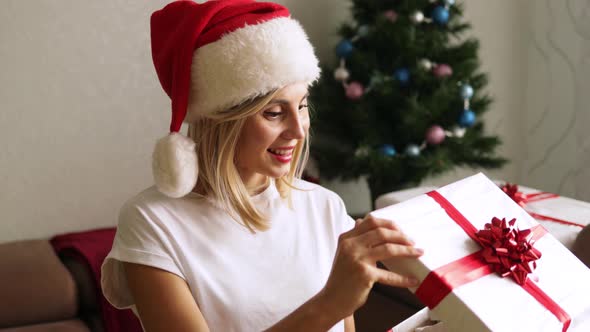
91,248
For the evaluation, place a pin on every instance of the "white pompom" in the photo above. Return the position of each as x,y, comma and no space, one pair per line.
174,165
341,74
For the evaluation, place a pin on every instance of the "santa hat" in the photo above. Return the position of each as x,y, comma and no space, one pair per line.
215,55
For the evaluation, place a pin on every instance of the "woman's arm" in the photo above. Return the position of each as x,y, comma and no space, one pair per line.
164,301
314,315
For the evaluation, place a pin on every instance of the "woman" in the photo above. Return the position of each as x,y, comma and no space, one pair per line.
230,239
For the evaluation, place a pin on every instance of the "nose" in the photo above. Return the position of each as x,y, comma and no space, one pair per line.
296,127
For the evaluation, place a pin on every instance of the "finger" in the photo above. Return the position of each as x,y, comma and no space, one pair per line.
394,279
370,223
352,232
382,235
390,250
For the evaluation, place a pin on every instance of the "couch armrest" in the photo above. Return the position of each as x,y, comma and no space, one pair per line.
36,287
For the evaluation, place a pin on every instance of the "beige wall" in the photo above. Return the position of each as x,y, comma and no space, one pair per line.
81,106
557,98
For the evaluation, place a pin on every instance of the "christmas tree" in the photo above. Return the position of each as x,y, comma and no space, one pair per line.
405,98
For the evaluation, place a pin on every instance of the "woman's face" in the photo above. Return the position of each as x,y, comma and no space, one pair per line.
268,138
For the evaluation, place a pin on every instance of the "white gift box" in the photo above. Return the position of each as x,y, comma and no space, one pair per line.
560,208
419,322
400,196
490,303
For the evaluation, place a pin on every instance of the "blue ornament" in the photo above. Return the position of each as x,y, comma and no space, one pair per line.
449,2
466,91
440,15
467,118
363,30
387,150
413,150
402,75
344,48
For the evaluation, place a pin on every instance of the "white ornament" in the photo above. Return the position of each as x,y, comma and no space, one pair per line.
362,152
341,74
417,17
458,132
425,64
363,30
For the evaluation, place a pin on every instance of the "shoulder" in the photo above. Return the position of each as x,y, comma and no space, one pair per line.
306,188
149,197
319,203
152,207
139,216
138,206
317,195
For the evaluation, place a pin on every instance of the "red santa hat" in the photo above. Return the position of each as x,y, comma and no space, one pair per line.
215,55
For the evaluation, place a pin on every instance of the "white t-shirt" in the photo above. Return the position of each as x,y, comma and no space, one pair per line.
240,281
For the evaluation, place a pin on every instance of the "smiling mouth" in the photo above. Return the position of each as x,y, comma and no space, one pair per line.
283,156
281,152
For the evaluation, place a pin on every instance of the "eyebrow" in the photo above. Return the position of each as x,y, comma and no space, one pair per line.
285,101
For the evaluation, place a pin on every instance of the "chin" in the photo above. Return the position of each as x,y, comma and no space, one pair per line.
275,174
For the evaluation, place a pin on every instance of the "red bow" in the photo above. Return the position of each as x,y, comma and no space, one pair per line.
508,250
512,191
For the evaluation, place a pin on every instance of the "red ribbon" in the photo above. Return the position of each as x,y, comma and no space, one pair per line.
522,199
440,282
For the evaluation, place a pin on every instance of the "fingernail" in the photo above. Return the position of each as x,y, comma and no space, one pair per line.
414,281
419,251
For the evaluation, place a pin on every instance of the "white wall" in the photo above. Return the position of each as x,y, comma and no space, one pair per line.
81,106
556,106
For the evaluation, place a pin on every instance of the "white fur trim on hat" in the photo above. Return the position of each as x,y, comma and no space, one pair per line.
249,62
174,165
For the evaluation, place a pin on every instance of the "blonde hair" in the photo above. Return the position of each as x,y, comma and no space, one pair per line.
216,139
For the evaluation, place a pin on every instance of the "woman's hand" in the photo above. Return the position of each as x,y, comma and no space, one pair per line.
354,270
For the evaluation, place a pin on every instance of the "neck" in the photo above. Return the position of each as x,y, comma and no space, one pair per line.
256,183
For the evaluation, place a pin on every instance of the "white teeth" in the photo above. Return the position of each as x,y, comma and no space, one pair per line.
281,152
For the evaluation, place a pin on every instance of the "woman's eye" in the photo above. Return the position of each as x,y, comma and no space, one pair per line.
302,106
272,115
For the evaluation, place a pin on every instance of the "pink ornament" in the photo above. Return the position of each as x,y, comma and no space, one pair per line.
435,135
354,90
442,70
391,15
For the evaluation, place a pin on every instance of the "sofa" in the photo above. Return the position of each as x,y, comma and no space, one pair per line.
43,292
40,292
